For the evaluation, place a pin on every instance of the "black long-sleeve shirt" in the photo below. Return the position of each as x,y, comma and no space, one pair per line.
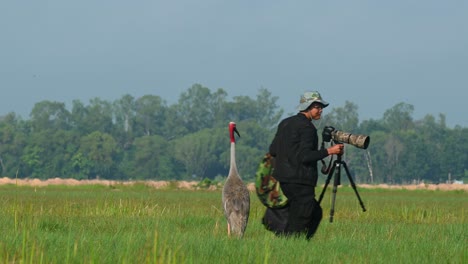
295,148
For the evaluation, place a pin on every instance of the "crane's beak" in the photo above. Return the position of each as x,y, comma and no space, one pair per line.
237,132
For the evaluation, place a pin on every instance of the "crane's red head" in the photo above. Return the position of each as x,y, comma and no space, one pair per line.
232,129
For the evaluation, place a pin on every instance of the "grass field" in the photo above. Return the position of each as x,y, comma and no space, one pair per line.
141,224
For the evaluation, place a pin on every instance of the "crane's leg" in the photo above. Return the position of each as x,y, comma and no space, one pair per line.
229,229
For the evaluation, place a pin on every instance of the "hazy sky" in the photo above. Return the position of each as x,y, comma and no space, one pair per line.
373,53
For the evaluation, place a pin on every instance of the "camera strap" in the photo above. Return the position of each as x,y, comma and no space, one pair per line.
326,169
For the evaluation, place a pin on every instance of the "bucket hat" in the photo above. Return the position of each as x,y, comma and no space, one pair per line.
308,98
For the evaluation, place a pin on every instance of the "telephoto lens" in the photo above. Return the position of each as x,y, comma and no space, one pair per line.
359,141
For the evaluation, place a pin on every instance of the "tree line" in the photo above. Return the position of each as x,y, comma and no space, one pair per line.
146,138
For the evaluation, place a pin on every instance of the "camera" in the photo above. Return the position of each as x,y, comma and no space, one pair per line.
359,141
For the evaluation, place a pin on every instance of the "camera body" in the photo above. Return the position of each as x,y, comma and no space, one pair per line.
359,141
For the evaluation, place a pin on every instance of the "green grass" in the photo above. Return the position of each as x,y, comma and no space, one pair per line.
140,224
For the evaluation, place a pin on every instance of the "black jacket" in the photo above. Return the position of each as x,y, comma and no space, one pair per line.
295,148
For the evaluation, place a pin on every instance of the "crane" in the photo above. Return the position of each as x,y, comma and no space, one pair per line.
236,196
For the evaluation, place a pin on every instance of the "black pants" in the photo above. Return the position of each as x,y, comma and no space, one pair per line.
301,216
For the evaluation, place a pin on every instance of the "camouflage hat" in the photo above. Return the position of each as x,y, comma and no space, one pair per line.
308,98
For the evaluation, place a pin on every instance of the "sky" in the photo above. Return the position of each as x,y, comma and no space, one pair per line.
374,54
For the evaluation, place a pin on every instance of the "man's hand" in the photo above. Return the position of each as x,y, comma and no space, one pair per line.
337,149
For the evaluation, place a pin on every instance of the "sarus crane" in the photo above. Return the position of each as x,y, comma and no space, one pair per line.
236,196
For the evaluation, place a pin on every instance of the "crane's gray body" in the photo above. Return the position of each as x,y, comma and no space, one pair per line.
236,203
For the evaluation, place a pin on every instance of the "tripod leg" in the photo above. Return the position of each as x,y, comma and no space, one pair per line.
336,182
327,181
354,186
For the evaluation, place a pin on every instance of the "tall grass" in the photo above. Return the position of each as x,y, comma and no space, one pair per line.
139,224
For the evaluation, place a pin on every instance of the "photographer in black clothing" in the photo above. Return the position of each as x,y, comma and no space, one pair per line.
296,151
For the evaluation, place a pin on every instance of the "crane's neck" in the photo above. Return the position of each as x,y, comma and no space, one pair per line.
233,166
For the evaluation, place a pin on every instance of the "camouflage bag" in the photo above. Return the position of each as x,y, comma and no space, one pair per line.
267,187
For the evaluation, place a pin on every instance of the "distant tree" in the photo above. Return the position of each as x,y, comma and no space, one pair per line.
194,108
399,117
12,143
33,162
267,113
48,153
377,156
82,166
153,159
252,134
150,115
371,125
97,116
430,150
79,118
124,111
263,110
100,116
197,151
60,151
241,109
173,128
218,107
454,155
99,151
50,115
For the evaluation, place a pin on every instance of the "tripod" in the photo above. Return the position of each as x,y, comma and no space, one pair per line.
337,181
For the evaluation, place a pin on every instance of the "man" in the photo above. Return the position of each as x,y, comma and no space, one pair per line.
295,148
